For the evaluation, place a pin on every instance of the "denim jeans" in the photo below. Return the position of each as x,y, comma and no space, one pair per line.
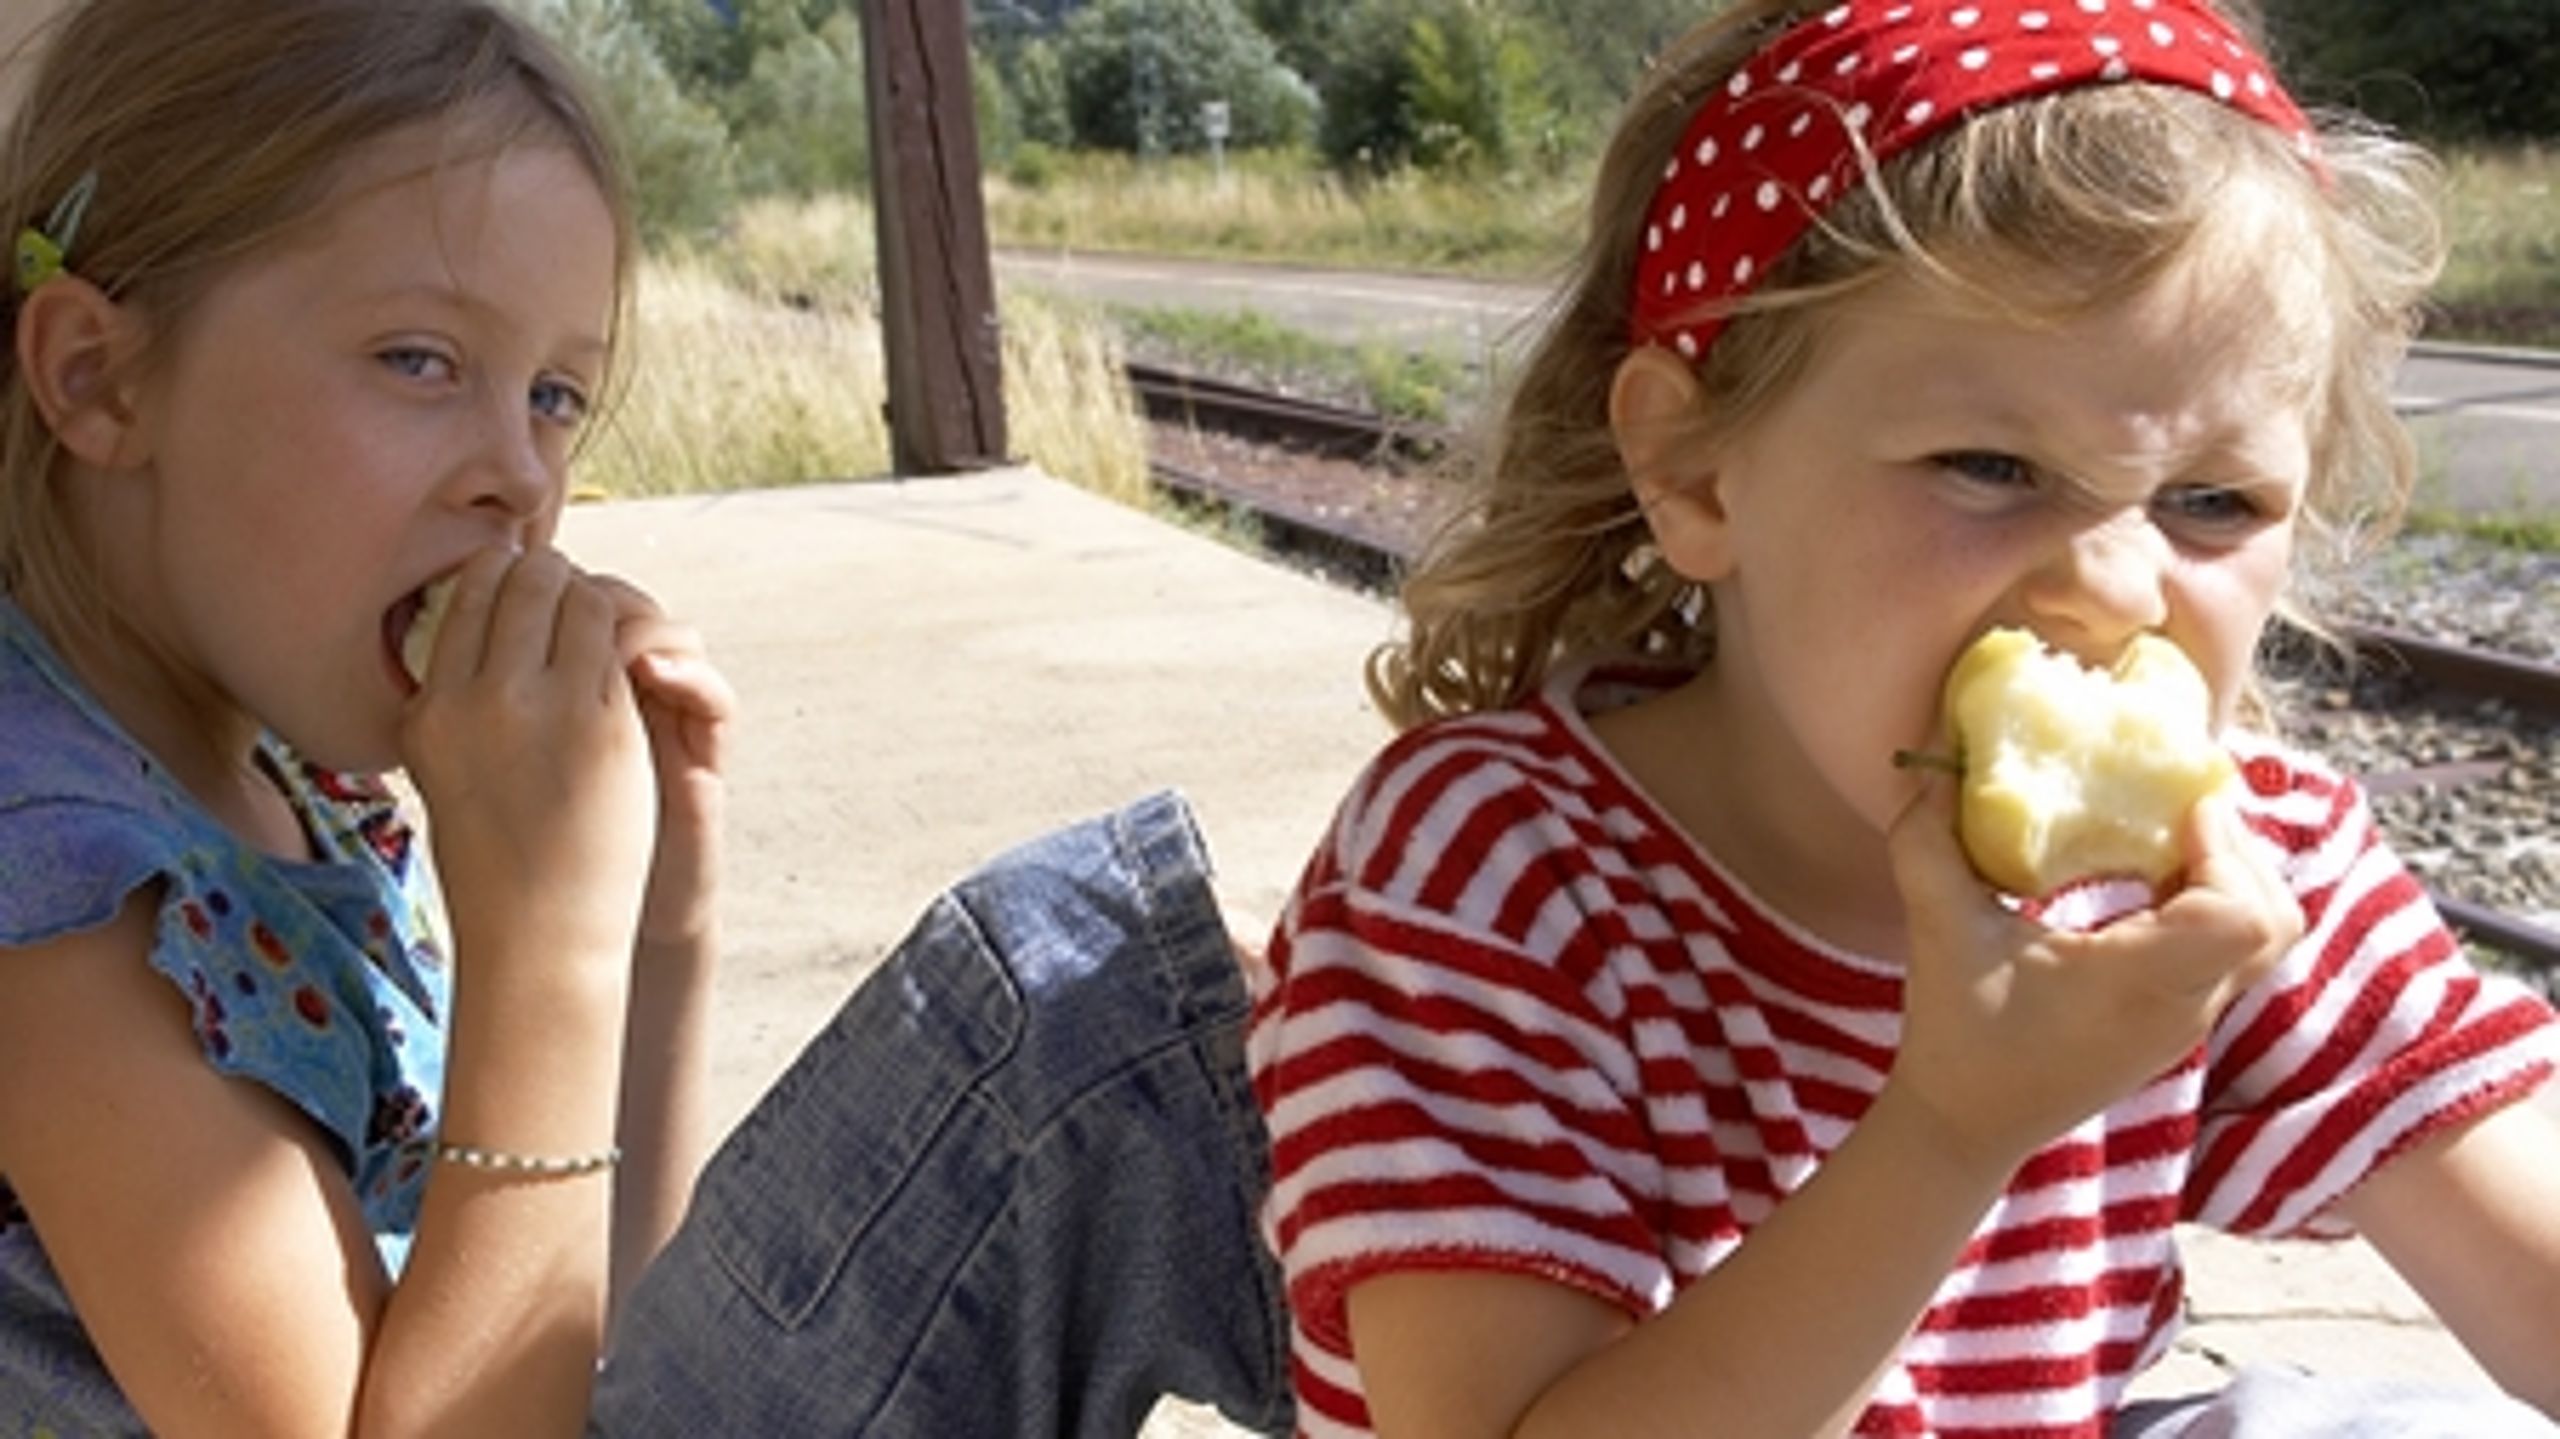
1009,1190
2272,1403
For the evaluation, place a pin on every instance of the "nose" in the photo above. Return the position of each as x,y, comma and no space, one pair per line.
2102,584
508,474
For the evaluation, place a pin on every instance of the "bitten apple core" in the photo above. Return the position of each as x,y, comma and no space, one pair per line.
2072,772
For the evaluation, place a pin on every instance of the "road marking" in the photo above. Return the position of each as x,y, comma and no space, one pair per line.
2419,407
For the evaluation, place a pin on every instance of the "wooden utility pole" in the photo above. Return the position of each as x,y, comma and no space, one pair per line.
937,287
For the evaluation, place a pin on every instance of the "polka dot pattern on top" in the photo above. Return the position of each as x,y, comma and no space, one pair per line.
1780,141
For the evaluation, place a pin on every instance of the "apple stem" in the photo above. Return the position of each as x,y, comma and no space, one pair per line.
1921,759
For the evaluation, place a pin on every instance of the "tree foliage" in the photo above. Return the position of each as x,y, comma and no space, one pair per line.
1464,84
800,118
683,166
1139,74
2480,69
746,96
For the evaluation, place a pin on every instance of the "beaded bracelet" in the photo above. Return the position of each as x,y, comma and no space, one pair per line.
545,1165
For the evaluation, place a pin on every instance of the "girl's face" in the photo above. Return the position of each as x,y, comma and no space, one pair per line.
1940,470
354,411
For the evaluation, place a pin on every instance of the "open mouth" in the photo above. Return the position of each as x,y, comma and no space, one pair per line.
409,629
397,622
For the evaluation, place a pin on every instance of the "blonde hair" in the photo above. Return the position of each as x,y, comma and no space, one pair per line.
213,127
2075,198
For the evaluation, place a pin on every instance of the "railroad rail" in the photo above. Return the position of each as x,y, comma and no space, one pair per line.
1229,408
1375,561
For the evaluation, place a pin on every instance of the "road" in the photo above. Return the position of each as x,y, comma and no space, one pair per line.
2487,422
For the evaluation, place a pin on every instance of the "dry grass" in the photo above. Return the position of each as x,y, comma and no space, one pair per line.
1287,208
2502,211
758,363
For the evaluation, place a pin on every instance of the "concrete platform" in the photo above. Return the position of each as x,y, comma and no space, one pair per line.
936,669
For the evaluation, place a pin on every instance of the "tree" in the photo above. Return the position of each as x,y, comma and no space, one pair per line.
1445,83
1139,72
1476,88
1036,80
800,119
2448,72
679,152
712,49
1593,68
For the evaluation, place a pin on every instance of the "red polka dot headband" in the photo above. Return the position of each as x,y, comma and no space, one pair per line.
1769,151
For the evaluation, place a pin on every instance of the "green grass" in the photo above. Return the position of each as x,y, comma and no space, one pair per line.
2521,528
1401,384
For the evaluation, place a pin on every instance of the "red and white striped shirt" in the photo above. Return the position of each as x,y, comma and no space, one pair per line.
1517,1022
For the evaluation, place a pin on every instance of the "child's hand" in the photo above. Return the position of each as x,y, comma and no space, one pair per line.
527,746
2014,1032
687,706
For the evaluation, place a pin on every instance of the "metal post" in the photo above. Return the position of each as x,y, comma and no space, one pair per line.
937,285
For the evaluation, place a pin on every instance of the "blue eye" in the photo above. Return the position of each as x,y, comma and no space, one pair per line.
1987,467
560,402
416,362
2212,505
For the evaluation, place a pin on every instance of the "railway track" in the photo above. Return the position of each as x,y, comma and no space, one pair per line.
1374,560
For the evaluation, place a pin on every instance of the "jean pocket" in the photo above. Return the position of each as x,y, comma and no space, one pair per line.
883,1094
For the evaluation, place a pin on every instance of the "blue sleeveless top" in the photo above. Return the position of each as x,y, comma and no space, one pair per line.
325,982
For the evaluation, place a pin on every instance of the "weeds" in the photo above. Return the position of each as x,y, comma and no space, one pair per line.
757,362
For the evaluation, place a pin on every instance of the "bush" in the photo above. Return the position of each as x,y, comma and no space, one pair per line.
1448,84
1037,82
1140,72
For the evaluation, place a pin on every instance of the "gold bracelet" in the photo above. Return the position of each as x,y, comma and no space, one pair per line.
547,1166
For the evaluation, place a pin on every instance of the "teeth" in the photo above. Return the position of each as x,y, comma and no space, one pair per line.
418,646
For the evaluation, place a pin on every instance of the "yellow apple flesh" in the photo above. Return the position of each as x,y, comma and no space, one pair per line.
2072,772
418,646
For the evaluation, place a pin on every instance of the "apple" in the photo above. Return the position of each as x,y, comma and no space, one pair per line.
2070,772
418,646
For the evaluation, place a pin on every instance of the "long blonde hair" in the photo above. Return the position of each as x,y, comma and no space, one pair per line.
2092,191
212,127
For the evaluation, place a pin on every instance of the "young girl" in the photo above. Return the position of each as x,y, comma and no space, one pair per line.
1642,1055
311,301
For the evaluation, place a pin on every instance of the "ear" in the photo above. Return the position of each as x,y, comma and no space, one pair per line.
1655,403
76,347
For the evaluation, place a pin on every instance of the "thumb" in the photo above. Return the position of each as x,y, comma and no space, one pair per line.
1929,865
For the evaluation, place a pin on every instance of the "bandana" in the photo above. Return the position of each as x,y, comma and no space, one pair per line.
1767,153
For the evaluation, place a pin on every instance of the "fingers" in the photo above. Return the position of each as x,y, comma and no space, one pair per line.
2236,900
462,644
1937,882
524,612
672,671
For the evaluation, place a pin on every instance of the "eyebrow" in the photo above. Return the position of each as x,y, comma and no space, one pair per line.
579,346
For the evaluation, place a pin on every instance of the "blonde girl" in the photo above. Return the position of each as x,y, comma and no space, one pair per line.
1642,1055
305,1130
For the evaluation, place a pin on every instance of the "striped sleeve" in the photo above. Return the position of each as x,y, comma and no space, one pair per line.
2372,1035
1445,1082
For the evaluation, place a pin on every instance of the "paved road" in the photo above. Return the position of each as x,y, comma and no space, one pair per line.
2487,422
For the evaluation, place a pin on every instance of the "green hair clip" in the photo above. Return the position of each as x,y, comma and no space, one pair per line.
44,251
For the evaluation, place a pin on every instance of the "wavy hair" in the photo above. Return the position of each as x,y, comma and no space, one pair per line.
2041,208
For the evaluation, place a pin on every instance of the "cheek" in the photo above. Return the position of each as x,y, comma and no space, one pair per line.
2226,605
